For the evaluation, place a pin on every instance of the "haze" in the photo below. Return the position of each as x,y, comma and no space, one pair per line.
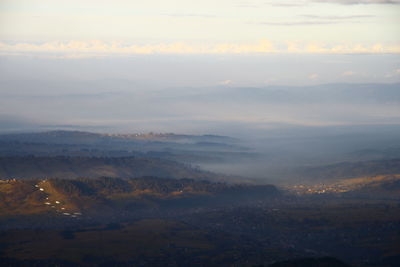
200,133
194,67
198,94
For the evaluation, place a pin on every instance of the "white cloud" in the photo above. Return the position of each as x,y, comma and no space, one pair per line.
300,3
297,3
338,17
359,2
226,82
189,15
313,76
96,46
99,48
348,73
297,23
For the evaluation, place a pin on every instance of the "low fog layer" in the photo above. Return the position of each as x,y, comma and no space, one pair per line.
197,94
221,110
300,154
288,113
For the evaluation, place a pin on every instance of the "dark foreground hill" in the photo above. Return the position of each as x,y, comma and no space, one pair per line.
311,262
308,262
93,167
184,222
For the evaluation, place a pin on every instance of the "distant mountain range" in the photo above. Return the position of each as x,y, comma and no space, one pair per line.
79,137
176,147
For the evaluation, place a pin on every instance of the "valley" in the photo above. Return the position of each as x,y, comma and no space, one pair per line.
97,205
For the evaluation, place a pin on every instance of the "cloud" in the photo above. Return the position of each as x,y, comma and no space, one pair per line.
348,73
313,76
301,3
297,23
96,48
338,17
226,82
319,20
181,15
360,2
99,47
248,5
288,4
348,49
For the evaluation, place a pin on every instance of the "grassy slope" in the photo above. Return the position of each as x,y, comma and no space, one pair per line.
73,167
74,195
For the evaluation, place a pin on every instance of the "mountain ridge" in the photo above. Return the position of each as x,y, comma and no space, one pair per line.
23,167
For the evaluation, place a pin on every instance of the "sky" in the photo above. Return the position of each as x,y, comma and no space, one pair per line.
139,65
208,26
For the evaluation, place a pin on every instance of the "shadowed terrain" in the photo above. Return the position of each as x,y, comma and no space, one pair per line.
73,167
134,200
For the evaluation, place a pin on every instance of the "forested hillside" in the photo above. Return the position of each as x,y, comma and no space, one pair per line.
93,167
60,196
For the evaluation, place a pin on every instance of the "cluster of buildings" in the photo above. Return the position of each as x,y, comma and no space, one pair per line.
319,189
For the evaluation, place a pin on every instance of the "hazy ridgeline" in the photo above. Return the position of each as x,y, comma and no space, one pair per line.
278,129
250,193
206,133
290,155
194,94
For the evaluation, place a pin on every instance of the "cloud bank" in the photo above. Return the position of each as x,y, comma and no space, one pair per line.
360,2
100,48
301,3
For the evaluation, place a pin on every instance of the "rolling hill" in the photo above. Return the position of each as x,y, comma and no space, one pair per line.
72,167
345,170
69,197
